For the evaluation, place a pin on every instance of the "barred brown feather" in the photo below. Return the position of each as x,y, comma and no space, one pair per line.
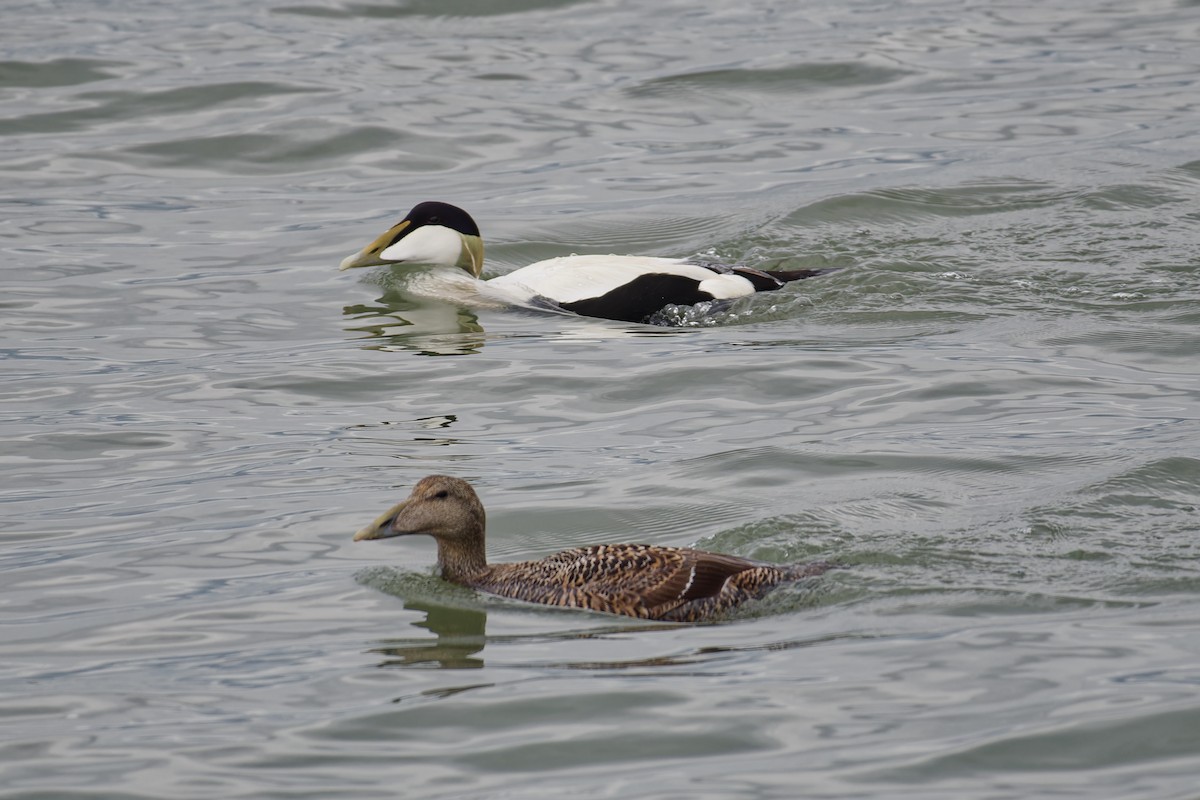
636,580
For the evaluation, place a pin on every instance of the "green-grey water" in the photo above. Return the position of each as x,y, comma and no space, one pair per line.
989,414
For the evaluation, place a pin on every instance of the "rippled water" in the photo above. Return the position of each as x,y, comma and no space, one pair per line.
990,414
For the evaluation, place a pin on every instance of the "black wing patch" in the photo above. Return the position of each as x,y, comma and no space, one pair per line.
646,295
641,298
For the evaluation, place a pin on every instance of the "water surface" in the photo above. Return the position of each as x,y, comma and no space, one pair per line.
989,414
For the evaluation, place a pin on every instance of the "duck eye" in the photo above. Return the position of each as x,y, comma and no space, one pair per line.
442,495
434,220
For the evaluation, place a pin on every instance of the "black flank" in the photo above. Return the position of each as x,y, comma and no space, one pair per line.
642,297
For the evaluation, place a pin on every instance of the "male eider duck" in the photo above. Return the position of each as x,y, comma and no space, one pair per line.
623,288
635,580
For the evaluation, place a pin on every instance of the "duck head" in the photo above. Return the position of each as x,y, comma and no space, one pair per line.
440,506
432,233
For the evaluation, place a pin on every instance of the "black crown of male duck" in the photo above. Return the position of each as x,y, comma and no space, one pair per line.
635,580
623,288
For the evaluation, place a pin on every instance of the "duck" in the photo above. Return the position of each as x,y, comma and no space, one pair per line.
620,288
675,584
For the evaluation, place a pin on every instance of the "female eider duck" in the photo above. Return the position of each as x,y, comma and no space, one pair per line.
623,288
635,580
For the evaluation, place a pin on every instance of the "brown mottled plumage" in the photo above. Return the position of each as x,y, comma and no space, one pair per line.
636,580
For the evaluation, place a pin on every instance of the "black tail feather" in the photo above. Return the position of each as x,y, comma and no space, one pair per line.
788,275
766,280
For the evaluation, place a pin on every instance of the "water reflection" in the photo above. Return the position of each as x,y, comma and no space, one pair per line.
431,328
434,8
438,328
434,425
460,634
